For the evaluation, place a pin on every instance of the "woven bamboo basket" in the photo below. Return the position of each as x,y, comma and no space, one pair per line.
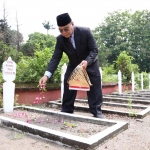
79,80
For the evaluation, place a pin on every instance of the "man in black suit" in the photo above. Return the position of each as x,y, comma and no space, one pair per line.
81,50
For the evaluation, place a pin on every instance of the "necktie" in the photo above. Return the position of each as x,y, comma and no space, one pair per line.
70,41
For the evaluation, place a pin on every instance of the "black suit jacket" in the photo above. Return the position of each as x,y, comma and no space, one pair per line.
86,49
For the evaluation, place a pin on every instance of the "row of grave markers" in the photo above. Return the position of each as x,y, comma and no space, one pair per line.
9,75
64,67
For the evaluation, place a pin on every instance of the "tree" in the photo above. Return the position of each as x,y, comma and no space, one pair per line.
125,31
111,35
13,37
6,51
5,31
37,41
10,37
48,26
3,25
103,51
19,39
124,64
139,39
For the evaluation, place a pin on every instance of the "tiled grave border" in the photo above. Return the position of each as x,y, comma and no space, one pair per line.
127,97
146,102
141,114
65,138
134,94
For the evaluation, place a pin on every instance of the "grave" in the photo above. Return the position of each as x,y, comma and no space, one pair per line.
128,96
126,100
139,93
143,110
111,129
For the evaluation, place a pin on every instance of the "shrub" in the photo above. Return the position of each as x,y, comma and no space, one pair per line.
109,74
124,64
31,69
145,80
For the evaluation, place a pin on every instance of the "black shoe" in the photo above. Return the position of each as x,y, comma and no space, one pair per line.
69,112
100,116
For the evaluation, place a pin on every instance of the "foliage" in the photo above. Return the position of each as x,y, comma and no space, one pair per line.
6,51
33,86
132,112
109,74
1,100
103,51
42,90
124,64
32,69
4,28
70,125
124,31
14,38
3,24
15,100
1,79
145,80
10,37
18,135
110,35
47,26
140,39
56,76
109,78
37,42
109,69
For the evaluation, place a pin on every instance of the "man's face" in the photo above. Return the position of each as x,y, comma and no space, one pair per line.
67,30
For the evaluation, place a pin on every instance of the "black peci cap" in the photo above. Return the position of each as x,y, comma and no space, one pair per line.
63,19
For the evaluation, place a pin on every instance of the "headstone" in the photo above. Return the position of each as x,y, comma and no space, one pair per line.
133,82
9,75
142,85
149,80
119,82
9,70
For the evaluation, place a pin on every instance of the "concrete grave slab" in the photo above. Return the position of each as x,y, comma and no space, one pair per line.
139,93
126,100
145,109
114,128
128,96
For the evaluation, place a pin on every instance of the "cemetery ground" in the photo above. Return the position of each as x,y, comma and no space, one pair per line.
136,137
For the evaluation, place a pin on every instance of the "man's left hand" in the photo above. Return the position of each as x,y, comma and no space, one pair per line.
84,64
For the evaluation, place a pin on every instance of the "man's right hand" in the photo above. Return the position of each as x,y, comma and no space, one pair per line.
43,80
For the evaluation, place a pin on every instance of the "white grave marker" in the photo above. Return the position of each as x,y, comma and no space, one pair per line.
119,82
9,75
63,68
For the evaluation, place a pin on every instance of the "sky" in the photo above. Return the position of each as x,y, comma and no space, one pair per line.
90,13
